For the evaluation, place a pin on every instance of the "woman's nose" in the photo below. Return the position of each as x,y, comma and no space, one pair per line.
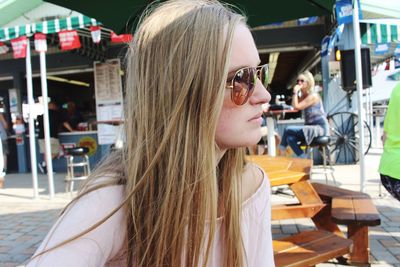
260,94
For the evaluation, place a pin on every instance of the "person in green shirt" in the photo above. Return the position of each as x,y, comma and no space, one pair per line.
389,166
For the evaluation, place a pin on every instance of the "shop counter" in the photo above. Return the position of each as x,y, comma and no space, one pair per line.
80,138
72,139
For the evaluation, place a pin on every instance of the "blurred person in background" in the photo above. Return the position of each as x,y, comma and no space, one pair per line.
389,166
56,121
72,116
316,124
3,148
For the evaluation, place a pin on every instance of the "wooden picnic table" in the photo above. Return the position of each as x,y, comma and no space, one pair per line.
327,206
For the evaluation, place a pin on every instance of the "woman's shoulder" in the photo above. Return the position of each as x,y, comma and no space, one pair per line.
253,180
96,205
314,96
95,221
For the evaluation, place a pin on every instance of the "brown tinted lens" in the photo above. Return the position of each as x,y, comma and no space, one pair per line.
243,85
264,75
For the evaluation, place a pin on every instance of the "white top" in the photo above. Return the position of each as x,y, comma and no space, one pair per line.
97,247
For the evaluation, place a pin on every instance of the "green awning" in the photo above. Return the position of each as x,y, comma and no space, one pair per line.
373,33
122,15
47,27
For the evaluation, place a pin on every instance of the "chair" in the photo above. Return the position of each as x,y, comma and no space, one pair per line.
77,157
321,142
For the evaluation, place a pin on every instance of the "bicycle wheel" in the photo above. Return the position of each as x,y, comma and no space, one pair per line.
345,137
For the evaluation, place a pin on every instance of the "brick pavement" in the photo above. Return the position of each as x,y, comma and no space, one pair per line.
25,222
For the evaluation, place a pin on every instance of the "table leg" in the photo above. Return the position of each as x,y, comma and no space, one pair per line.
271,137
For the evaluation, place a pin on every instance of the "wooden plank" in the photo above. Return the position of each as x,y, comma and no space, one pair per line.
327,192
358,209
305,193
366,212
269,163
293,211
343,210
309,248
300,239
285,177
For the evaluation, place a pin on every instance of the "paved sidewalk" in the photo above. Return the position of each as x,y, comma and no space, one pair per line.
25,221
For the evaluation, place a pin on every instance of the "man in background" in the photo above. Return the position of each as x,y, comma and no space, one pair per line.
56,121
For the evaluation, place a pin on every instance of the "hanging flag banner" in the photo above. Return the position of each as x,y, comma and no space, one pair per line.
3,48
381,49
95,31
40,42
344,11
307,20
69,40
325,46
122,38
397,51
19,47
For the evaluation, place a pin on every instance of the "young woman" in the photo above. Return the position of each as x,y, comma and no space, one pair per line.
316,123
180,192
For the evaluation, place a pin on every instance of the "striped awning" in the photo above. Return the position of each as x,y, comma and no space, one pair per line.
373,33
47,27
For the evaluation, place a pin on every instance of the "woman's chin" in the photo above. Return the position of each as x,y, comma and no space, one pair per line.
253,141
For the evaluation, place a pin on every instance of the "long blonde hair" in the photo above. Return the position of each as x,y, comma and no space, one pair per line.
175,186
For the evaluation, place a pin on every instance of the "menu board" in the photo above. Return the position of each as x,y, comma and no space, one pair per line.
109,99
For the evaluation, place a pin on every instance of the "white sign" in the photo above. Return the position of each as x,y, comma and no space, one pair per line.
109,107
13,97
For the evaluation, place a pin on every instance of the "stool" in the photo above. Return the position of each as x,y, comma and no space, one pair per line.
322,142
72,155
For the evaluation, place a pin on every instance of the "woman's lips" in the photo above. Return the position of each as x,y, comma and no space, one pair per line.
257,118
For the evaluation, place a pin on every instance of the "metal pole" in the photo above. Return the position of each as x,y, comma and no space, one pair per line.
49,163
271,136
31,102
357,57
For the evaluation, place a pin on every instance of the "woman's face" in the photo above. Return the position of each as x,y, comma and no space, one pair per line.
240,126
302,81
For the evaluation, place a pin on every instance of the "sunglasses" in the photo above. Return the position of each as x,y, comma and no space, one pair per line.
300,81
244,82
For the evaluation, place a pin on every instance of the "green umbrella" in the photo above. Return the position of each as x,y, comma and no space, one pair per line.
121,15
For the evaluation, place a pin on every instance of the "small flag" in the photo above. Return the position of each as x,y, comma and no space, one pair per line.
3,48
387,62
19,46
122,38
69,40
40,42
95,31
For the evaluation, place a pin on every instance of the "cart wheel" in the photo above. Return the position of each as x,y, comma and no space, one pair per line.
345,136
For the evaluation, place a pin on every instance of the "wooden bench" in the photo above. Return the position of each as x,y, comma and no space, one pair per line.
305,248
353,209
309,248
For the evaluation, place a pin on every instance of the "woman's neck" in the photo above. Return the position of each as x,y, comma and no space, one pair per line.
219,154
